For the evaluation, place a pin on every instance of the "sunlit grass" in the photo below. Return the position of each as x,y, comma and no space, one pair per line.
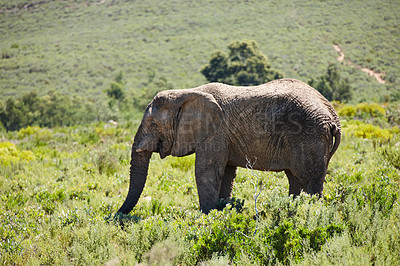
58,207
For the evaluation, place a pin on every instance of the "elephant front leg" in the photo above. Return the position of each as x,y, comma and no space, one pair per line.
208,183
210,169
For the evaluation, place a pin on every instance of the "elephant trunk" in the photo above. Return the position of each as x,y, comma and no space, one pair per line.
138,175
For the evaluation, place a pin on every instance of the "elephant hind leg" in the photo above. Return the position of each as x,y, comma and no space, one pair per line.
295,186
315,184
316,177
227,182
309,180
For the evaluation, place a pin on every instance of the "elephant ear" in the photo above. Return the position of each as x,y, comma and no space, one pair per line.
198,117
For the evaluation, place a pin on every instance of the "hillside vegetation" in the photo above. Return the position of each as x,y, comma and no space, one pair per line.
61,187
77,47
68,66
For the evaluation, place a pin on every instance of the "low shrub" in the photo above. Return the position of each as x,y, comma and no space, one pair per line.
289,241
106,163
347,111
392,155
49,200
367,131
225,232
361,110
10,154
27,131
370,110
51,110
380,198
145,234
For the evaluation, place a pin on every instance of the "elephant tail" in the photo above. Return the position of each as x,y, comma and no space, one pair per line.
336,132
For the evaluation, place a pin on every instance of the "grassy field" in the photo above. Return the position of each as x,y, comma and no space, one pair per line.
60,186
60,189
77,47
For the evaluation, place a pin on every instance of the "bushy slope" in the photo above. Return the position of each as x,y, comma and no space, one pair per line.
79,46
59,190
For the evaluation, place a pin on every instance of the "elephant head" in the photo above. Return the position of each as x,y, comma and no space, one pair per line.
174,123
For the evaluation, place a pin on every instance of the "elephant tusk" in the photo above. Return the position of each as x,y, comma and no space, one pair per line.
139,150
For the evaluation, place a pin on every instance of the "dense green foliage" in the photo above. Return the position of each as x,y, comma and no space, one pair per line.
116,90
79,46
60,188
53,109
245,65
50,110
332,86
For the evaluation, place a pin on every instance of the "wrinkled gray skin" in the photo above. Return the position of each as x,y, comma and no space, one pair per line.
283,125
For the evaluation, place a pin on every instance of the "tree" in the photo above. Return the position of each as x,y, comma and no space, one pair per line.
12,116
245,65
332,86
116,91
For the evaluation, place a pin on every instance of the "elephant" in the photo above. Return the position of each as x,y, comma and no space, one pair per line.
283,125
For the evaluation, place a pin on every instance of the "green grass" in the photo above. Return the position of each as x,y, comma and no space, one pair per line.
78,47
60,191
60,187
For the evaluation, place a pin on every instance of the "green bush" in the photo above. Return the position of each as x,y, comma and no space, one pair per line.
370,110
368,131
347,111
379,196
245,65
144,235
106,163
289,241
28,131
332,85
392,155
225,232
361,110
10,154
51,110
393,113
48,200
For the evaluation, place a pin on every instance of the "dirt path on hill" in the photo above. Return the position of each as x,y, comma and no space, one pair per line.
341,58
